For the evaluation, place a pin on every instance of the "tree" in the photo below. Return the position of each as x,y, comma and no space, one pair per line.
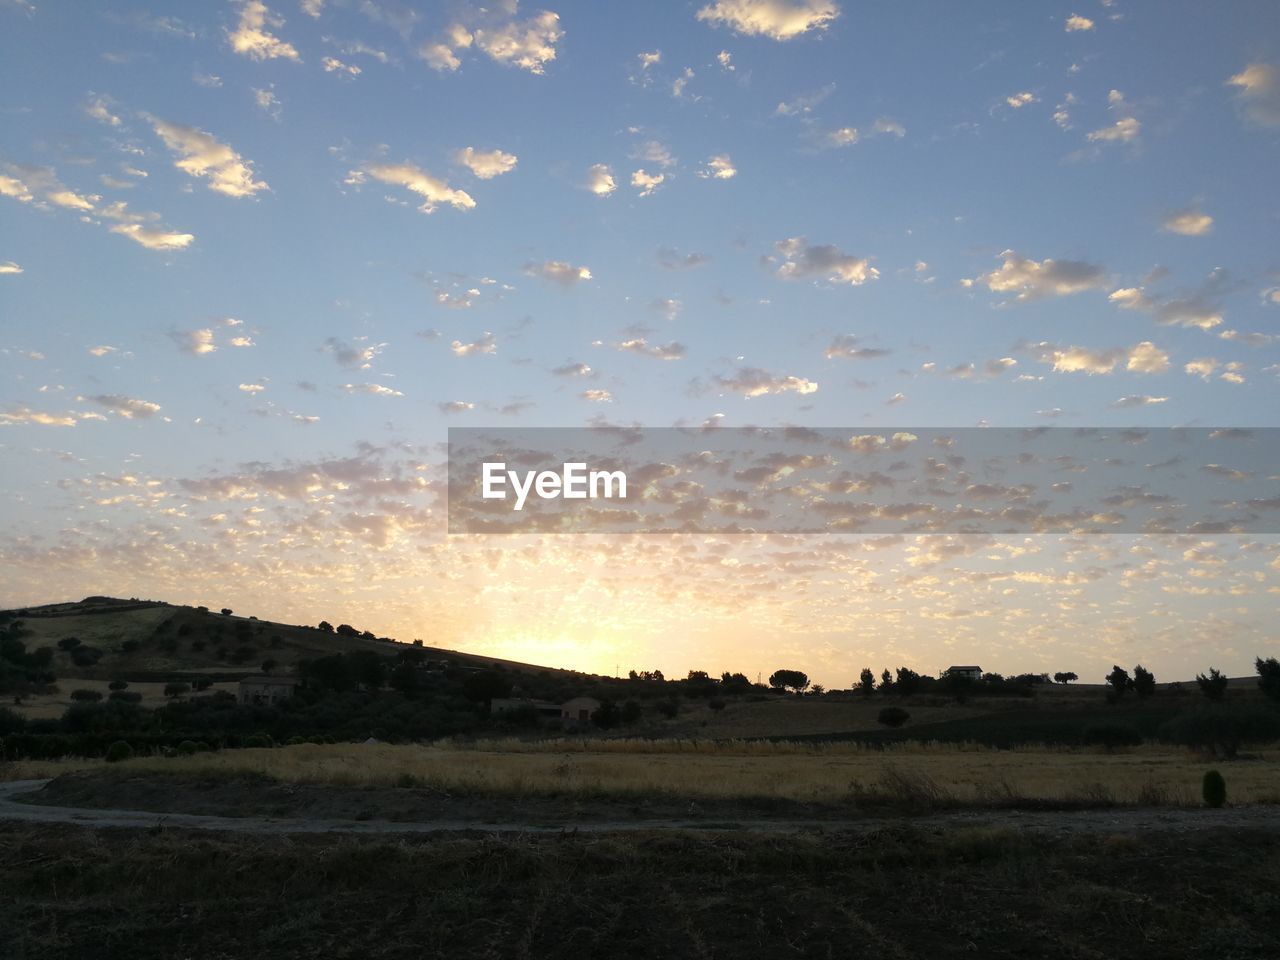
817,690
886,680
172,690
632,711
795,680
1066,677
68,643
866,681
118,685
893,716
908,681
734,683
1221,728
1214,686
326,627
226,611
1144,681
1119,680
607,716
1269,677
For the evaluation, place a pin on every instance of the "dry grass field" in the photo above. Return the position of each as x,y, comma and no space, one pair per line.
806,773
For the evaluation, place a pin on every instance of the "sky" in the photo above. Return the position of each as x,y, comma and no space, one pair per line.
257,258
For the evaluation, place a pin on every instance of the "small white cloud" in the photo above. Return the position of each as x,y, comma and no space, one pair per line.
558,271
646,182
252,387
801,261
201,155
433,190
776,19
597,396
1020,100
1076,23
1259,93
486,344
455,406
251,38
1031,280
600,180
486,164
127,407
98,109
9,267
373,389
719,167
195,342
334,65
1189,222
754,382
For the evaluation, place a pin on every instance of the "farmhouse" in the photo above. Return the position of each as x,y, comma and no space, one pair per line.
578,710
263,690
968,673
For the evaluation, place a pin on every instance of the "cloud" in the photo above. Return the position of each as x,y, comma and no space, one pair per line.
455,406
195,342
1189,222
334,65
529,44
668,351
654,152
25,415
433,190
1138,400
127,407
486,344
312,8
600,180
1124,130
1259,93
486,165
97,109
1076,23
9,267
252,40
1203,367
1032,280
558,271
719,167
970,371
597,396
804,103
373,389
1144,357
357,357
267,102
573,370
252,387
153,239
670,258
840,137
646,183
776,19
887,125
845,347
754,382
800,261
1193,311
200,155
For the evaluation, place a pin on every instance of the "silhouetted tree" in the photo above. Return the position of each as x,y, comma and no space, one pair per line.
325,626
886,680
226,611
866,681
1119,680
1269,677
1144,681
1066,677
907,683
1214,686
795,680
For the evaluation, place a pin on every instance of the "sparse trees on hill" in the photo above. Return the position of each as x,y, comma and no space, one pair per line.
1065,677
1269,677
1144,681
795,680
1119,681
866,681
325,626
1214,686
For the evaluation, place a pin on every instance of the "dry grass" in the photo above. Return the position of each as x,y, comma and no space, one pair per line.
933,775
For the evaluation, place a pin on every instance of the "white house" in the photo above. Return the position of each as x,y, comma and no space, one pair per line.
968,673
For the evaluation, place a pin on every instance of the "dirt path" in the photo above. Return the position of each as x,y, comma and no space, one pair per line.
1123,820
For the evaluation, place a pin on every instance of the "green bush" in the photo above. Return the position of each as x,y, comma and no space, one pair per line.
1214,789
259,740
120,750
187,747
295,741
893,716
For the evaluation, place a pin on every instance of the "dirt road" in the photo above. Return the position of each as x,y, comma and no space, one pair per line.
1114,821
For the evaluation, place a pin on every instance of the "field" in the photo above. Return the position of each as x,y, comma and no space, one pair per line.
820,774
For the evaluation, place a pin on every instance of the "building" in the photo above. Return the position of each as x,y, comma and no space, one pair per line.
968,673
265,691
578,711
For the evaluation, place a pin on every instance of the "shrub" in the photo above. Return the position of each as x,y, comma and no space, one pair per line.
893,716
68,643
176,689
11,721
1214,789
259,740
88,696
716,704
295,741
187,747
1214,686
124,696
1111,735
120,750
1221,728
118,685
669,708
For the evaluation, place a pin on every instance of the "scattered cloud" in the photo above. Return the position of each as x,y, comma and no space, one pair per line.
98,108
719,167
801,261
9,267
776,19
1020,100
668,351
804,103
1139,400
754,382
845,347
201,155
1048,278
558,271
646,183
195,342
1259,93
334,65
486,344
529,43
670,258
373,389
432,189
486,164
1144,357
597,396
600,180
349,355
252,39
1076,23
127,407
455,406
1189,222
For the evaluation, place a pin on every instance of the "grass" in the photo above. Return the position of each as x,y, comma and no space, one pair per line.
949,774
897,893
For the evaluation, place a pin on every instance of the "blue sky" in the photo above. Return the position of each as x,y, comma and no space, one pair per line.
233,335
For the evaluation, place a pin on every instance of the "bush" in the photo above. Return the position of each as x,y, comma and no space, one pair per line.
259,740
176,689
124,696
11,721
1214,789
1222,729
716,704
187,747
120,750
669,709
1111,735
118,685
893,716
86,696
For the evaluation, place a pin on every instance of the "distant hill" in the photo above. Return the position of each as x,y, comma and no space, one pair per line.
150,640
